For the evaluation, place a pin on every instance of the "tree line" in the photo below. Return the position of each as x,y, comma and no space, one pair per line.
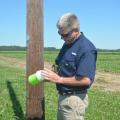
21,48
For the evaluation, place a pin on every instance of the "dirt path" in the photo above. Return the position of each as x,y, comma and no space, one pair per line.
14,62
107,81
103,80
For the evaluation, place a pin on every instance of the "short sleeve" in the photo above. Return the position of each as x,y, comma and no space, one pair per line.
86,65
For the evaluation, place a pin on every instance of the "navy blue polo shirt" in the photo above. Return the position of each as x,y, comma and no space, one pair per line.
76,59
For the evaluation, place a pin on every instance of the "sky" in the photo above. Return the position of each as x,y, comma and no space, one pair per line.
99,21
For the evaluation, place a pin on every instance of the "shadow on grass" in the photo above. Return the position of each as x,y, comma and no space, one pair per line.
18,112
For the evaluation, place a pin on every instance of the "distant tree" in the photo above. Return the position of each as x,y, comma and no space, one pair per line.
20,48
12,48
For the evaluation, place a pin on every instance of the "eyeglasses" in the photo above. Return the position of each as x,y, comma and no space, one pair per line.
65,35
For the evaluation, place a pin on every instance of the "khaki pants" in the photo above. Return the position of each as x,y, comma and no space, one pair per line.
72,107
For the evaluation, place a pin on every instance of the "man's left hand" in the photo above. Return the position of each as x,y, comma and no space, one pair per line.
50,76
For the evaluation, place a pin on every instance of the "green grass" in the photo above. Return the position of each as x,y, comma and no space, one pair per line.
106,61
50,56
12,93
103,105
14,54
50,101
109,61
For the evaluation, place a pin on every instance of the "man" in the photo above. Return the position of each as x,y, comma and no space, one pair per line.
76,69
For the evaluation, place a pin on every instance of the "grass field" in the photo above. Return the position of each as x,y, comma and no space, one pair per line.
104,105
107,61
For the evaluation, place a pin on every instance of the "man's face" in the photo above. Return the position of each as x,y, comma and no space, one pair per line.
68,37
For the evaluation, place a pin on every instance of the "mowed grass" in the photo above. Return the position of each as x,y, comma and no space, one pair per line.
106,61
102,105
109,61
14,54
12,93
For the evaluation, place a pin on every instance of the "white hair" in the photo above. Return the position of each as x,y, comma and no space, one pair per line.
69,21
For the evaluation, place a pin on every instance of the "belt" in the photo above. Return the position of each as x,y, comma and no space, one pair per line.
72,92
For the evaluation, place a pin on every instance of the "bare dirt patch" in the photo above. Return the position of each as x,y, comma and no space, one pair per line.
14,62
107,81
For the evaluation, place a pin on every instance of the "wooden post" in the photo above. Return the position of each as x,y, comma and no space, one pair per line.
35,94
